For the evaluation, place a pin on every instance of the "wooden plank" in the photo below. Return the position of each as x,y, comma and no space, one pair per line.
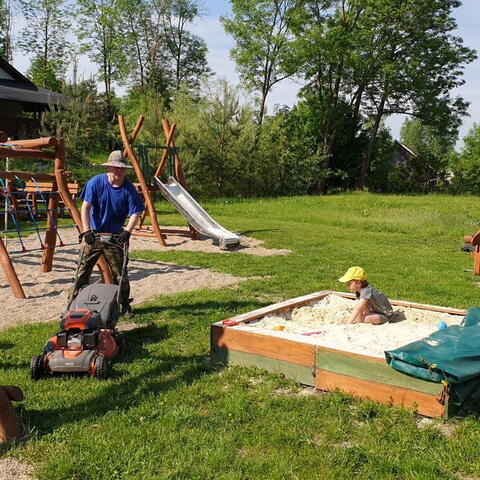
40,177
264,345
423,403
280,306
140,177
420,306
306,299
35,142
24,153
373,369
299,373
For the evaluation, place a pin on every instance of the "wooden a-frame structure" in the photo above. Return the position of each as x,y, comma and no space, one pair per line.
53,149
147,190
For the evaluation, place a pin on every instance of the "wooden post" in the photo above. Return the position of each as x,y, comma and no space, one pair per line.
51,233
60,165
177,166
10,426
169,131
138,171
10,273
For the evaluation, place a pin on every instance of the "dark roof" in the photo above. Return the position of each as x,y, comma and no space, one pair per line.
404,147
21,89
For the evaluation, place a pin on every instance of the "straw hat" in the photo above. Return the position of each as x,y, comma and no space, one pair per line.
116,159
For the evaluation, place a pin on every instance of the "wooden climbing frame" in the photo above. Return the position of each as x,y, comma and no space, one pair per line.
146,190
53,149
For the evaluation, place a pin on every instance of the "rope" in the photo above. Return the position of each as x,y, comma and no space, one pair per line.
32,216
48,211
14,220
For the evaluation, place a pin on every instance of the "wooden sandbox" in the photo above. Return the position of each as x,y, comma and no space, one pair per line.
327,368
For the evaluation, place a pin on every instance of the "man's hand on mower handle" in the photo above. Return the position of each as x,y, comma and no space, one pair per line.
123,238
88,236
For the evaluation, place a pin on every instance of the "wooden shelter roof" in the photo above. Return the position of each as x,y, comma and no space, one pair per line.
16,87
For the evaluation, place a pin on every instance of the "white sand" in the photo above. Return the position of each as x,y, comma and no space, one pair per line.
326,317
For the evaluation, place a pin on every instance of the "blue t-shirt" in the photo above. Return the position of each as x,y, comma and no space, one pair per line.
110,205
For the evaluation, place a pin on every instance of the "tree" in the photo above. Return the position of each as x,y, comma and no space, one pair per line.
44,36
80,121
5,30
45,73
215,138
432,151
366,59
465,167
149,67
98,22
261,30
186,50
417,62
323,53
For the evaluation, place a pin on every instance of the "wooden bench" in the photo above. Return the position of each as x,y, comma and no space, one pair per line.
34,192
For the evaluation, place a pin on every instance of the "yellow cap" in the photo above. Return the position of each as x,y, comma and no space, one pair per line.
353,273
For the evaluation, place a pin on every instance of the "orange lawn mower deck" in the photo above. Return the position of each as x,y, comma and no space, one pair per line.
88,340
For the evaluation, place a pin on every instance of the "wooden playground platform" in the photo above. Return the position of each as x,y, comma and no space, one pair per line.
327,368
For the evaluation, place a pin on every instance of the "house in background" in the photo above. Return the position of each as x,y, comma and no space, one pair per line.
402,154
22,103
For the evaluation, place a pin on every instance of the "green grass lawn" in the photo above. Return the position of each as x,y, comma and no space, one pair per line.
166,413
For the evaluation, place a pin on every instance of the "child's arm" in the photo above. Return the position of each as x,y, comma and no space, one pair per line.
358,311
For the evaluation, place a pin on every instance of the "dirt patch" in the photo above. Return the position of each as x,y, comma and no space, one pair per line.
11,468
446,428
47,292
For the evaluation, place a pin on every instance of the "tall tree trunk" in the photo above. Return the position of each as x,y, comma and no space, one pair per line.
362,177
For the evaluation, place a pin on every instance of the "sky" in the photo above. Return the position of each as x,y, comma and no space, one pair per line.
285,93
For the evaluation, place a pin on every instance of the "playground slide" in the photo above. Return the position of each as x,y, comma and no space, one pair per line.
191,210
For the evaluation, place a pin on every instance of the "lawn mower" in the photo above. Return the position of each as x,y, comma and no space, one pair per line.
88,340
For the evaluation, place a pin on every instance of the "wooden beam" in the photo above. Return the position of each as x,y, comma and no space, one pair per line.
24,153
62,183
10,273
35,143
264,345
299,373
422,403
51,233
372,369
168,143
40,177
136,166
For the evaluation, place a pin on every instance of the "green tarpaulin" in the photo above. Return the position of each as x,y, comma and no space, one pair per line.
450,355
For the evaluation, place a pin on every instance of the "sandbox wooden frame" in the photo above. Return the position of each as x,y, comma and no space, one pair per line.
327,368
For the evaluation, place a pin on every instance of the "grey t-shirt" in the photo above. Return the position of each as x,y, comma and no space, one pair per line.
377,301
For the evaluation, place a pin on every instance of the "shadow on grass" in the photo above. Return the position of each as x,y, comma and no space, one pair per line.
125,390
249,232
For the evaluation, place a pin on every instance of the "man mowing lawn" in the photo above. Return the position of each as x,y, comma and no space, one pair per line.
108,199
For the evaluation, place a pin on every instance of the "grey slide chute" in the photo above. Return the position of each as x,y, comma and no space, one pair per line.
193,212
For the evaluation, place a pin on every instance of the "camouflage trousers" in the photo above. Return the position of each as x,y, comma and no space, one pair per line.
89,254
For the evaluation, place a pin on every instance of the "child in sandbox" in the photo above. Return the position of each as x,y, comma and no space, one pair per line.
373,306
